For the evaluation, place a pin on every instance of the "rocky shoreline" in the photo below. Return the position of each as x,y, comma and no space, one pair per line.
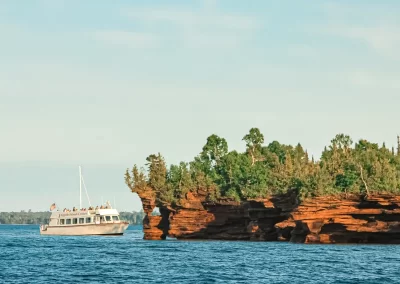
319,220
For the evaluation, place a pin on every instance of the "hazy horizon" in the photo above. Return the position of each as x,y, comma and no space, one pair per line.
105,84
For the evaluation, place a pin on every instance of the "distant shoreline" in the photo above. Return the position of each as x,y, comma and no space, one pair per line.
19,224
37,218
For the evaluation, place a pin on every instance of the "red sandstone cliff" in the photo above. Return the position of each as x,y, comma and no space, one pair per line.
327,219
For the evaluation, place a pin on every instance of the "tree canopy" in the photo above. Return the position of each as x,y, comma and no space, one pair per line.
263,170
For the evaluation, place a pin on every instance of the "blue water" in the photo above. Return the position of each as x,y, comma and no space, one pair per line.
27,257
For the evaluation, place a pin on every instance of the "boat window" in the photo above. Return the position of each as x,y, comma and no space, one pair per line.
81,220
115,218
68,221
62,221
75,221
89,220
108,218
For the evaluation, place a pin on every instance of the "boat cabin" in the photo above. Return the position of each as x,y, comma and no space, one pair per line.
84,217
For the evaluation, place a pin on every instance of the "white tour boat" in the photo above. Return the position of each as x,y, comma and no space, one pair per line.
103,220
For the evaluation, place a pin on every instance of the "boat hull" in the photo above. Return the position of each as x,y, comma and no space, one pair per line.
86,230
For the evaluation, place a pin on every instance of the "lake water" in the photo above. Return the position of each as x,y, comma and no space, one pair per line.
27,257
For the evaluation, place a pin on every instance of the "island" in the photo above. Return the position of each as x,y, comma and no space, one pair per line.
274,192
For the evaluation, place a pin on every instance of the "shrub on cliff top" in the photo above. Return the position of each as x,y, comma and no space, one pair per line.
261,171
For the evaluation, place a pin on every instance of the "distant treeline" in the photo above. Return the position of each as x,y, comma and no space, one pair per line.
134,218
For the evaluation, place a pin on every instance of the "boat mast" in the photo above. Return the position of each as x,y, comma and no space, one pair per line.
80,187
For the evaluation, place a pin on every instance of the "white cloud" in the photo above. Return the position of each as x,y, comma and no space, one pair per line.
185,18
211,41
383,39
52,4
301,50
199,28
129,39
375,24
381,81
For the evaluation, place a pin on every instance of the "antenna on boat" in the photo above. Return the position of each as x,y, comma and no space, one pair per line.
80,187
87,195
82,181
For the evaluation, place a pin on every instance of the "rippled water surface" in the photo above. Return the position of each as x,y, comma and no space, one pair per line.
27,257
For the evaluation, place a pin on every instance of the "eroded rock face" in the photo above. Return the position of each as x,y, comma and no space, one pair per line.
327,219
375,219
154,227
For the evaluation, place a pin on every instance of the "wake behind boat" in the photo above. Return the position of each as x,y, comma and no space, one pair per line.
79,222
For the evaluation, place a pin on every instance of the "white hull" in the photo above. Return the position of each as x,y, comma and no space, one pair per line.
86,230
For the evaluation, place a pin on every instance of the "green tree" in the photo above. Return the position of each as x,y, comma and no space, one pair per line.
135,180
157,179
254,139
347,179
215,148
342,142
179,178
233,172
261,171
279,150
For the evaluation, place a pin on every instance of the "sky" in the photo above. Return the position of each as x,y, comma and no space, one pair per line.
103,84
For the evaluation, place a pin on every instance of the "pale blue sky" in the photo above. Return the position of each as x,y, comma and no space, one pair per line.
106,83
